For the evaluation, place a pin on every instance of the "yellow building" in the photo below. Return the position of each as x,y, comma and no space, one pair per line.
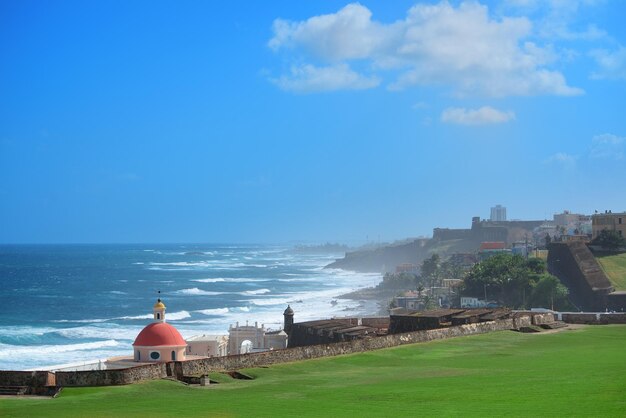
609,221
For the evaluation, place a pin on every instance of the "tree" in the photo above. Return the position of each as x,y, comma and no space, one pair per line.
430,265
548,239
506,278
550,293
610,240
397,281
430,269
420,289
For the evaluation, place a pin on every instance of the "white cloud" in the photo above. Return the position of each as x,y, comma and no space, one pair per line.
483,116
612,65
607,146
458,47
308,78
557,19
347,34
564,159
419,106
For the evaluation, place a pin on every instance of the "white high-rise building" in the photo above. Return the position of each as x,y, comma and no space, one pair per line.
498,213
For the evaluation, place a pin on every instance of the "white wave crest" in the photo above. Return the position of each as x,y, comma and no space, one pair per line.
255,292
231,280
194,291
209,280
82,321
216,311
173,316
9,351
272,301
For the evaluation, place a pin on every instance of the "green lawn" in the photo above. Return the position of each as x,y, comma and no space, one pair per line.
615,268
570,373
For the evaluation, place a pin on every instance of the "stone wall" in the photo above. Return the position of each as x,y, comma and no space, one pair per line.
544,318
204,366
32,379
616,301
235,362
113,376
576,267
592,318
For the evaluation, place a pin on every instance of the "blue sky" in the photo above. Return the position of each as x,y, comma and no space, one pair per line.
277,121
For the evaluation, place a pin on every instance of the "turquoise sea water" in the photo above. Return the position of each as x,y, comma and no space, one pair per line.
70,303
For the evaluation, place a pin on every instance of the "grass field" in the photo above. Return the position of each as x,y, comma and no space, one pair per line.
570,373
615,268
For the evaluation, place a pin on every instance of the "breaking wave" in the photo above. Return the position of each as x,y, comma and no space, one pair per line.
255,292
216,311
194,291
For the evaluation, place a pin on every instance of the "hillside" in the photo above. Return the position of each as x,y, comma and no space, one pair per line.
385,259
614,267
499,374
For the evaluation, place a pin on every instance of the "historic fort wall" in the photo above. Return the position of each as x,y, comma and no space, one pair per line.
592,318
31,379
204,366
235,362
113,376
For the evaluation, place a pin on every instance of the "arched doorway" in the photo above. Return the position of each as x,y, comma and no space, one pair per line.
246,347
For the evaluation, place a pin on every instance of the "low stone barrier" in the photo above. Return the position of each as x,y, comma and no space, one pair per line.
542,318
113,376
32,379
215,364
593,318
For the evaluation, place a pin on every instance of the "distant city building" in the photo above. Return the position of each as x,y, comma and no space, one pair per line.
407,268
498,214
488,249
409,300
609,221
573,223
470,302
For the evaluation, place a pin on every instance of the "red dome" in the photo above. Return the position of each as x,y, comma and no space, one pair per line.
159,333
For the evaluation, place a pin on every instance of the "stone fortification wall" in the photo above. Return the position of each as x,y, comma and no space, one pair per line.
204,366
368,321
544,318
592,318
446,234
616,301
376,322
216,364
31,379
113,376
574,264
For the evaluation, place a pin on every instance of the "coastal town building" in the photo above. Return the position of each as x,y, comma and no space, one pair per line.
491,248
498,214
573,223
159,341
609,221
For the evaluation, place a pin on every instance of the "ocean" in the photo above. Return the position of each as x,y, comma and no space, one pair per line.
63,304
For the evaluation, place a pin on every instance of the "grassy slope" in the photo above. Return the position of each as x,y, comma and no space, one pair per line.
570,373
615,268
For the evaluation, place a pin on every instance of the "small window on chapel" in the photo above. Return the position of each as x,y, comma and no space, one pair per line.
158,315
